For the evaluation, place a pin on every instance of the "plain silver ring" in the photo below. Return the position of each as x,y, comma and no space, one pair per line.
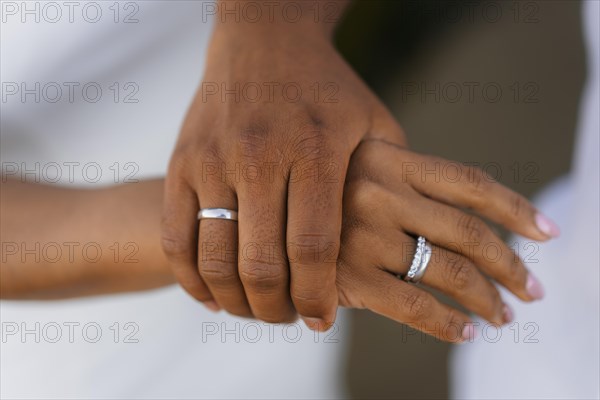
217,213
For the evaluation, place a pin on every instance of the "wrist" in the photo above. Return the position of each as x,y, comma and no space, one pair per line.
276,20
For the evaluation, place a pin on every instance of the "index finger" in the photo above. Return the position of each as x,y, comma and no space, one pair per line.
468,186
458,184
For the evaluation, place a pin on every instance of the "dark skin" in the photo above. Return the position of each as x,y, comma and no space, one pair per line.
275,133
228,129
381,203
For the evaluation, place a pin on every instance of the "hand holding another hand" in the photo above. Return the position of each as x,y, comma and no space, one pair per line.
292,139
266,121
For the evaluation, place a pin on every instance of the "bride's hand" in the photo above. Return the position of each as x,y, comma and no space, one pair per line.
393,195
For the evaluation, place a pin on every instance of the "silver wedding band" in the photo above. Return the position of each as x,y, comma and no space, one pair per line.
217,213
419,262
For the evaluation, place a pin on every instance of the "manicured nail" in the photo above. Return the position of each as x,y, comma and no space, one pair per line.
547,226
507,314
212,305
469,333
534,287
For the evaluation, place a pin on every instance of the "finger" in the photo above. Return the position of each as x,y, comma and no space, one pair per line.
217,254
263,266
362,284
469,186
466,186
313,237
468,235
385,127
391,297
179,238
461,185
448,272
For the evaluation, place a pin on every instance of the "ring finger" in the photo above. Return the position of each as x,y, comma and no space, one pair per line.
217,256
448,272
471,237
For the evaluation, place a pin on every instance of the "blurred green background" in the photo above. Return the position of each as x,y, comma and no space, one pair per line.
526,63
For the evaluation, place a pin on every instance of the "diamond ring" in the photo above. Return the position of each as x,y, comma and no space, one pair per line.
419,262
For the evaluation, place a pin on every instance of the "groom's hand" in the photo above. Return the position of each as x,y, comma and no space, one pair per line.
269,134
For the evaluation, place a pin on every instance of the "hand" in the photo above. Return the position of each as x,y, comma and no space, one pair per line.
277,154
393,195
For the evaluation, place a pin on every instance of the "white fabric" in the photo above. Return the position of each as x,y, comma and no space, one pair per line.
163,54
564,363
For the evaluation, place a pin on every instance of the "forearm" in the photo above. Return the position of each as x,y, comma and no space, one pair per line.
59,243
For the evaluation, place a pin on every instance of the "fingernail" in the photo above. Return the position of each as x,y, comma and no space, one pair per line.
212,305
534,287
547,226
507,314
316,324
469,333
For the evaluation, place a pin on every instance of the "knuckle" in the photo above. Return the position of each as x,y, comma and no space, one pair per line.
516,271
309,143
213,167
454,325
315,248
362,175
471,229
177,165
218,273
518,205
348,297
417,306
459,273
254,140
262,277
313,154
173,243
309,301
478,184
361,197
362,192
353,225
309,296
211,156
315,119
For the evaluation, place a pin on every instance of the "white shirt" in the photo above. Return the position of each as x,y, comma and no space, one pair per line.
551,351
168,346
